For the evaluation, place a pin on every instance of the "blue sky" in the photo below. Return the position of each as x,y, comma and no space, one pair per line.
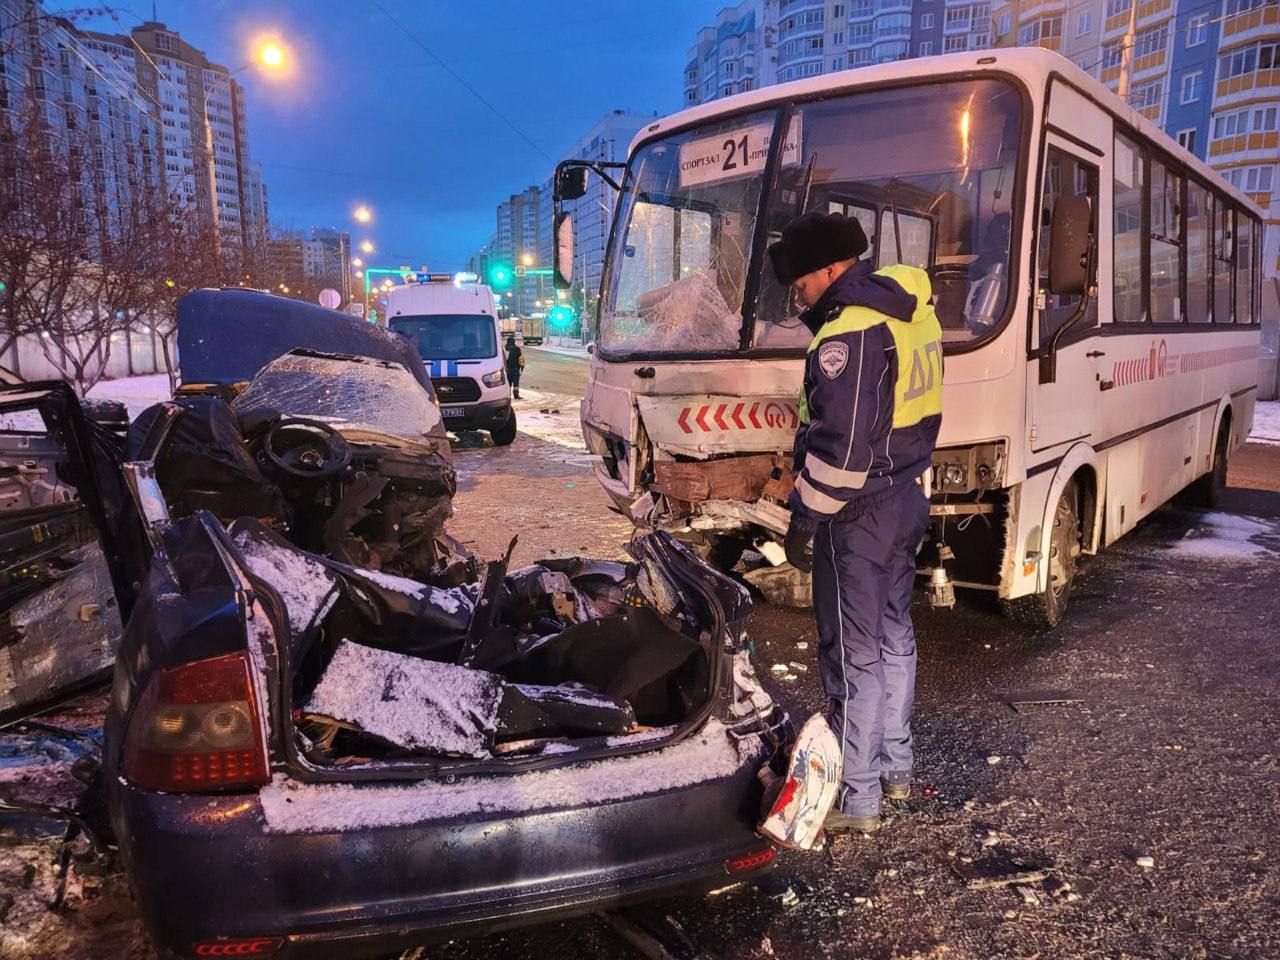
370,116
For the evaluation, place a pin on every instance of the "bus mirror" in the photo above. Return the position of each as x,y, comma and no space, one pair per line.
571,184
1069,243
564,252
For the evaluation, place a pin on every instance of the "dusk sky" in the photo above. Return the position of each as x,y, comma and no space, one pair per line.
370,116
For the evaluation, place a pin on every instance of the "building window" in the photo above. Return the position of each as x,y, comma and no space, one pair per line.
837,63
926,48
1197,29
954,44
1146,95
1264,56
1192,86
1152,40
1115,7
837,39
1006,24
1264,120
837,10
926,21
1084,24
1187,140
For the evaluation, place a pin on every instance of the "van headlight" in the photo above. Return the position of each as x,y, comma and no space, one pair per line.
495,379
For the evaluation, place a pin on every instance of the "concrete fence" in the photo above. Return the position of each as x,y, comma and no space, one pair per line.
133,353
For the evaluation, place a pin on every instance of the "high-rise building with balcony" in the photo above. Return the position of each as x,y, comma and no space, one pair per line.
734,54
87,104
1207,72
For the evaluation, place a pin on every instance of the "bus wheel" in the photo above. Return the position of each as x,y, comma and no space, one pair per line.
1207,491
1043,610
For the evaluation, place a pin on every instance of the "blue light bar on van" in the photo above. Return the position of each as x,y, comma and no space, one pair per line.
429,277
466,277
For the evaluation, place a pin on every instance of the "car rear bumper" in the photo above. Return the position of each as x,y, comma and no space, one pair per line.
484,415
204,867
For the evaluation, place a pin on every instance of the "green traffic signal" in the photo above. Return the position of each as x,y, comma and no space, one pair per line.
500,276
560,316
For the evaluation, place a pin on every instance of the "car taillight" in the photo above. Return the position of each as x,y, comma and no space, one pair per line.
751,861
243,947
196,728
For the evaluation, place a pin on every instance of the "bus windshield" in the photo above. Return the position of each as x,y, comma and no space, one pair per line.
450,337
928,170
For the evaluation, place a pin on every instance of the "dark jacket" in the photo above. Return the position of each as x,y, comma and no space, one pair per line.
872,402
514,354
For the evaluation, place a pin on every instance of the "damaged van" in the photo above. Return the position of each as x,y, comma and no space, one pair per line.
334,733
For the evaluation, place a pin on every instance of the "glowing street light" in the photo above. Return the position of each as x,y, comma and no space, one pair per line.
362,214
270,54
366,246
526,259
357,262
359,274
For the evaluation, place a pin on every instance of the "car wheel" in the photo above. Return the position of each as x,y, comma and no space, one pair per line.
505,435
1206,492
1044,610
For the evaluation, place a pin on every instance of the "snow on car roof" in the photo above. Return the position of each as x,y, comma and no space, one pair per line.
292,807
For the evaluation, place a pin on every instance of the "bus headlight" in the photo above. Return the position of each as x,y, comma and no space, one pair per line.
495,379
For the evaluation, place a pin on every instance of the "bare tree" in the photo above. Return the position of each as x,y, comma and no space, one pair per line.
46,231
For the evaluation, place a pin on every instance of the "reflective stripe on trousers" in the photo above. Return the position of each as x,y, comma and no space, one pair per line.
863,573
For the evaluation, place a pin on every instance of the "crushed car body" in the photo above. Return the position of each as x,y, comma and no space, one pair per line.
315,681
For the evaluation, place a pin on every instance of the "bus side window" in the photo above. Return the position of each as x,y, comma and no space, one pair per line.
1222,260
1064,175
1199,247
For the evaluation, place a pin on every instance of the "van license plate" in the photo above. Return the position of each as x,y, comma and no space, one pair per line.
453,411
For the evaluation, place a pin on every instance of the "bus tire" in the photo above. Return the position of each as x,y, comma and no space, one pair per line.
1206,492
1045,610
505,435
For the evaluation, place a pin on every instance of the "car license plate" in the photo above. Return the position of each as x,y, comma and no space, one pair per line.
453,411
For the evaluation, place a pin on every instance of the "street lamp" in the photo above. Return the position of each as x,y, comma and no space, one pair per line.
270,54
526,259
366,246
357,262
362,214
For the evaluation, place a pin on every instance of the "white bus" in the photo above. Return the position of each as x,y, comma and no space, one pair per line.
1098,288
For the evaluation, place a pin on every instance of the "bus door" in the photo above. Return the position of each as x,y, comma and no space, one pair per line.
1064,408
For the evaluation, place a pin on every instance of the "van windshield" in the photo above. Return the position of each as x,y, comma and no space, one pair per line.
450,336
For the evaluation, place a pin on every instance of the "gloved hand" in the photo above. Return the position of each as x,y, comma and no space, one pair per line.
797,545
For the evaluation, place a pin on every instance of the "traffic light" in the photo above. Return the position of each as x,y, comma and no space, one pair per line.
500,276
560,316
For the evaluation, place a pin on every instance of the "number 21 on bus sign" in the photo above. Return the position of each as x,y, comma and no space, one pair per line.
734,153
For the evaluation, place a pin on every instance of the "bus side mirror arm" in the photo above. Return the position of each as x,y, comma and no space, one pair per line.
569,182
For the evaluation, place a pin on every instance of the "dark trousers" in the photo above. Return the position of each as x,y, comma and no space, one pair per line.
863,574
513,374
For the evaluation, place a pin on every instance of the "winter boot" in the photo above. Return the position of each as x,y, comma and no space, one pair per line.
896,785
838,822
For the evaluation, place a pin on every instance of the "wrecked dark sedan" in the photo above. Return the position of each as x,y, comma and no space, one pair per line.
332,734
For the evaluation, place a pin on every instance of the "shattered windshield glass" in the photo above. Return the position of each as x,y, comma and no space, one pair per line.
679,266
937,192
349,392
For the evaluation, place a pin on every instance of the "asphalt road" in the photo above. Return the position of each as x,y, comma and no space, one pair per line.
1171,658
553,372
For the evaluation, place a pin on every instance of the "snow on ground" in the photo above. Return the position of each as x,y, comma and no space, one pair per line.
136,393
1266,422
416,703
292,807
1225,536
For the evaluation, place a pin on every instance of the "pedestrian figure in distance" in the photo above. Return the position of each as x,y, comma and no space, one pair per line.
869,420
515,364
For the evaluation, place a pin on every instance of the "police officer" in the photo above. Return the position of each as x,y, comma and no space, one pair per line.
869,420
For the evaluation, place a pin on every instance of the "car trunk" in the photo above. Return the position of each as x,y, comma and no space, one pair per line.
564,660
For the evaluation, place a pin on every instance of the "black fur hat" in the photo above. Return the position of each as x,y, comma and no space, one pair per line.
815,240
